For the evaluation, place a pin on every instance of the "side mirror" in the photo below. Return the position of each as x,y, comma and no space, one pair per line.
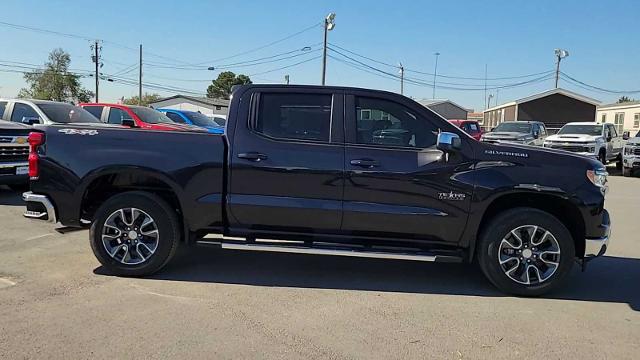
129,122
536,134
30,120
493,128
448,142
625,135
609,137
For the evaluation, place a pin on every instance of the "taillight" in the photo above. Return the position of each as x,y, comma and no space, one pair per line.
35,139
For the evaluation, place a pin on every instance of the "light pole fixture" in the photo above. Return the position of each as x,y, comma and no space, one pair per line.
329,24
435,72
560,54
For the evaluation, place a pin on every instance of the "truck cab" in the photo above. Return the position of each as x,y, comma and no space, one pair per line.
517,132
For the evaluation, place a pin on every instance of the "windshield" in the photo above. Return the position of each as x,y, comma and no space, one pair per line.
200,119
67,113
151,116
595,130
514,127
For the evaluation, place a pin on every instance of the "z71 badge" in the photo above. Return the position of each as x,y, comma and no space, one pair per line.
78,132
451,196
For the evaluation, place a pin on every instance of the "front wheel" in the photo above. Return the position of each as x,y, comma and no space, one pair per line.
626,172
134,234
603,157
619,163
525,251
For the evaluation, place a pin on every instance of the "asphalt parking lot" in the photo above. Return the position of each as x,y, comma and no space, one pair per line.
57,303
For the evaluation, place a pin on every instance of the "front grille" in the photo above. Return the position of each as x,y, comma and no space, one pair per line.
572,148
636,151
14,153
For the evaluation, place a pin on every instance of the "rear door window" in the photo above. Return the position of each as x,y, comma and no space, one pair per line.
23,113
3,106
117,115
294,116
95,111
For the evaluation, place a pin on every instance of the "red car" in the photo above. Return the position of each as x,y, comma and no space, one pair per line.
134,116
471,127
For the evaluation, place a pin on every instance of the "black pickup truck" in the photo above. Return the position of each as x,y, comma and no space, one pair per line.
324,170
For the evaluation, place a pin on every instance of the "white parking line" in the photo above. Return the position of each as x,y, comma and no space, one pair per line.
39,236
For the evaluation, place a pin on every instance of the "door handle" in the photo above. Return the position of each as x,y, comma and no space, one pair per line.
253,156
366,163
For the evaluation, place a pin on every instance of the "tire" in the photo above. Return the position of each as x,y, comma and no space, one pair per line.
523,221
160,238
626,172
619,164
603,157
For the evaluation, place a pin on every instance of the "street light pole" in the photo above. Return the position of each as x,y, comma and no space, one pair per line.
560,54
435,72
329,24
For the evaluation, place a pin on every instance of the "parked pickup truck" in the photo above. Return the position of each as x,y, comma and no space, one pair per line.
14,151
631,155
330,171
517,132
600,141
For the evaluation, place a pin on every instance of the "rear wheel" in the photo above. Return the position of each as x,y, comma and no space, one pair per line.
134,234
525,251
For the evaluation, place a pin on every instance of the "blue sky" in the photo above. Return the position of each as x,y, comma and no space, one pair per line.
512,37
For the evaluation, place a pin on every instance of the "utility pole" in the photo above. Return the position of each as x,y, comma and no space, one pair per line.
140,78
329,24
560,54
96,60
435,72
401,79
286,79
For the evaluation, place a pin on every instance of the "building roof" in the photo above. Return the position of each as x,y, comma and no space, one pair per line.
560,91
433,102
200,100
620,105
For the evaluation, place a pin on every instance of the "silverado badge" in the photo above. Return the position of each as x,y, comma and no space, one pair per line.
451,196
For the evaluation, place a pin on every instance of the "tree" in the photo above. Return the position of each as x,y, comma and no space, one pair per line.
221,87
54,82
624,99
146,99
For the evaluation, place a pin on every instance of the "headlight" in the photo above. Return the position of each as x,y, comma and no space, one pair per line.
546,144
599,178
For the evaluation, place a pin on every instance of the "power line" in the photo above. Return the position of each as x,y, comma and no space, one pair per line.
287,66
438,75
263,46
593,87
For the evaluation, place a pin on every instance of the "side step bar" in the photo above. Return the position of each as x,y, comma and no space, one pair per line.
328,250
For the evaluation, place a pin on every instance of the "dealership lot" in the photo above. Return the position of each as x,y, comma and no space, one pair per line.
56,302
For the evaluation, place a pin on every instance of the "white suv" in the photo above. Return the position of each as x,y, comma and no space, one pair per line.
32,112
600,141
631,155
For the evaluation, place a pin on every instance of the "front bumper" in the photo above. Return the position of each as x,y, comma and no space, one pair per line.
39,207
594,247
631,161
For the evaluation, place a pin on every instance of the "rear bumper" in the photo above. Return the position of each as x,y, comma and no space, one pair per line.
39,207
594,247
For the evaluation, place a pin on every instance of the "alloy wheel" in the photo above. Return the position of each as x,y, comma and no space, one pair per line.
130,236
529,254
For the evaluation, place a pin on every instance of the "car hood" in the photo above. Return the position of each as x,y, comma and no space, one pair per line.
574,138
505,135
10,125
633,141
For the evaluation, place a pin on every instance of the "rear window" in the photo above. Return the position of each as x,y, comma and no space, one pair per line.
471,128
95,110
295,116
200,119
151,116
67,113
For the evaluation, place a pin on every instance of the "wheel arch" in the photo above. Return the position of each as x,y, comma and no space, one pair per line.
107,182
558,206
